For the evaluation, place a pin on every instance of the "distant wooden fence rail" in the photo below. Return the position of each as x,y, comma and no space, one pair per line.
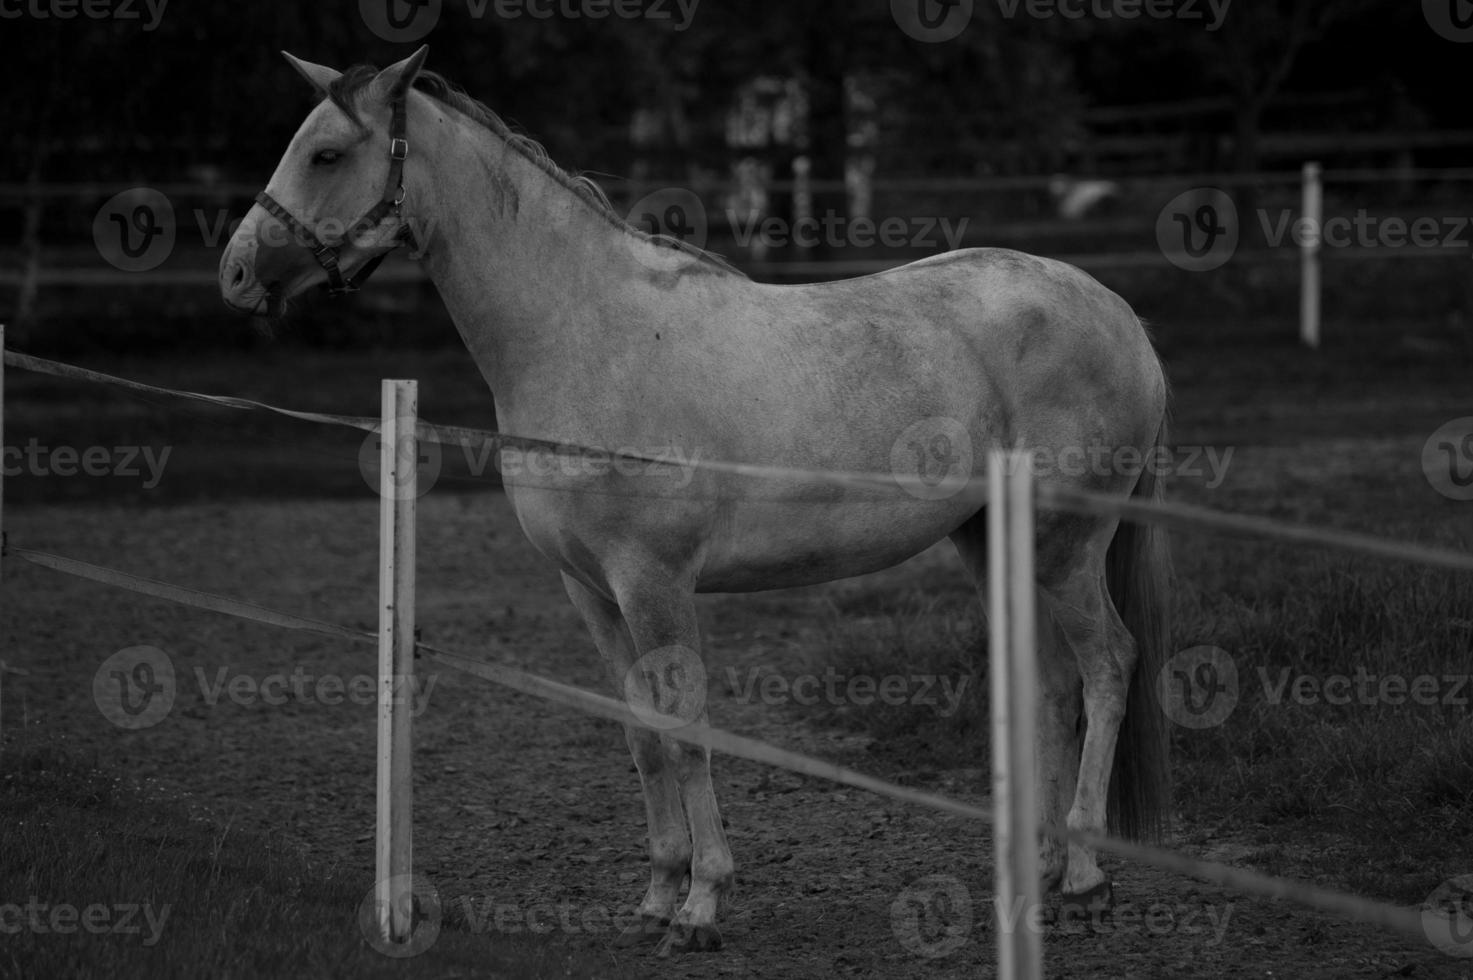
1036,235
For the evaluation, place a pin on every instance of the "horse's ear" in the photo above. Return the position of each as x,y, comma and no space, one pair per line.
320,76
396,79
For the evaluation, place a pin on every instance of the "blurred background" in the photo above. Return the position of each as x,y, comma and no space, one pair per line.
1062,127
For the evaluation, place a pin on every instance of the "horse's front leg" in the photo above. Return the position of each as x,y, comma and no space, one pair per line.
670,849
669,676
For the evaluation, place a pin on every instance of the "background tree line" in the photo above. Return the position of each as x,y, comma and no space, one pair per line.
103,99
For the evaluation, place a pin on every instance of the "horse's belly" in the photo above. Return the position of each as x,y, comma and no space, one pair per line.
775,545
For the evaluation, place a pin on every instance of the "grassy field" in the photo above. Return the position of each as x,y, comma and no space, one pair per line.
240,904
1378,793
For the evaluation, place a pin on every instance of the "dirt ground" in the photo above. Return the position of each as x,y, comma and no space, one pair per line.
529,817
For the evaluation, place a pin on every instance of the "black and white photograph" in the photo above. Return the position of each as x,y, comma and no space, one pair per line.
704,489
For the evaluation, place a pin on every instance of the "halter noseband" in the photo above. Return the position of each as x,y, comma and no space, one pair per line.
392,203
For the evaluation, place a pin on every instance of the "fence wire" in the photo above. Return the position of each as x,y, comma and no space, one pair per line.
1406,921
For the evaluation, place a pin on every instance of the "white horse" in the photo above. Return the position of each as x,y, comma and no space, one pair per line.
591,332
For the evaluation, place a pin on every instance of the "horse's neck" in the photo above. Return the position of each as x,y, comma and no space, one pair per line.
527,269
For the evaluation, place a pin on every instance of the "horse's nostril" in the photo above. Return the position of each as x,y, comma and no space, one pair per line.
239,276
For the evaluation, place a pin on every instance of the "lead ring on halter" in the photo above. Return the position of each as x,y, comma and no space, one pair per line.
392,202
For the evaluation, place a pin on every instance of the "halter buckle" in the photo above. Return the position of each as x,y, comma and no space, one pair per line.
398,148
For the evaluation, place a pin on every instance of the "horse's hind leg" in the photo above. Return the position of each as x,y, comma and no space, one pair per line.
1105,654
670,848
1059,709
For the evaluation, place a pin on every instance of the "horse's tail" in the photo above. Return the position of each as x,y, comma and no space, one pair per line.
1138,574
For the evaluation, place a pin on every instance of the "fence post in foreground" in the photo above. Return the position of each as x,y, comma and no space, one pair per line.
1013,683
1312,217
398,494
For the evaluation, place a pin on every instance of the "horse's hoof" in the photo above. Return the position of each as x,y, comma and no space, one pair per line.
684,937
647,931
1092,903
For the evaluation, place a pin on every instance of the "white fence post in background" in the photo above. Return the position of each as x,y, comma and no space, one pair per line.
1014,683
1312,215
398,494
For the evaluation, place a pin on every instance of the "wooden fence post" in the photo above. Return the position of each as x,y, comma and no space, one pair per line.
1013,684
1312,214
398,496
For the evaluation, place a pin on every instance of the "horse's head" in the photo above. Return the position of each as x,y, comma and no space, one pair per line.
331,209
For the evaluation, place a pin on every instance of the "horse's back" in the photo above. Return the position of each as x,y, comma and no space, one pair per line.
981,348
976,334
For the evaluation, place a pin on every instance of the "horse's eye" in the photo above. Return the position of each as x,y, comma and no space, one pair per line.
325,158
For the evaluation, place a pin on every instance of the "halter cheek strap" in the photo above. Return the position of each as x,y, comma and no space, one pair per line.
327,255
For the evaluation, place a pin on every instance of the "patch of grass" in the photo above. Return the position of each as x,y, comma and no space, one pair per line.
1330,721
933,639
158,893
1392,777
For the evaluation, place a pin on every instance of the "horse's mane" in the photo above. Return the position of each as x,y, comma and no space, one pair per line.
345,89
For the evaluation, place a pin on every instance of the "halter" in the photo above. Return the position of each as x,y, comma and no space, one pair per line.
392,203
